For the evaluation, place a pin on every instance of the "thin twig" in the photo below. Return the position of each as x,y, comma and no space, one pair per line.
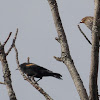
28,59
31,81
17,61
84,35
7,39
12,43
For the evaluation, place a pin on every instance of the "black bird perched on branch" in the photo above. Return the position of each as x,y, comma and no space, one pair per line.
31,69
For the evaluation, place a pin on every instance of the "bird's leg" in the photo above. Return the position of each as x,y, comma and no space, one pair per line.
38,80
33,80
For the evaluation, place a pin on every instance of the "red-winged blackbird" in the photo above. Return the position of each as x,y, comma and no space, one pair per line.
31,69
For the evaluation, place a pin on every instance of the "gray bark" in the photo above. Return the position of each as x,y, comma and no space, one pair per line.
6,74
93,86
65,53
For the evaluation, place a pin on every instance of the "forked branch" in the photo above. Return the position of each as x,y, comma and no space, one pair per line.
6,71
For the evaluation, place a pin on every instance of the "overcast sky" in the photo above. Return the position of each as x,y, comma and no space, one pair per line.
36,39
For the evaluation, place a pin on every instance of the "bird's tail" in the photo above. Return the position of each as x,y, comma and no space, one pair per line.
56,75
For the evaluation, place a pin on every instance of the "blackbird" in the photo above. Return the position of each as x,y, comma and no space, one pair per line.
31,69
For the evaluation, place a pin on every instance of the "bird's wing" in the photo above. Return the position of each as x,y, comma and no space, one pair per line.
38,68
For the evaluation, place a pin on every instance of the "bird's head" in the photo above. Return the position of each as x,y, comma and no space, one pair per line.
87,18
88,21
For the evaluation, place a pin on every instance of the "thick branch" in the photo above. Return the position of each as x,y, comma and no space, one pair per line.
32,82
6,74
93,86
65,53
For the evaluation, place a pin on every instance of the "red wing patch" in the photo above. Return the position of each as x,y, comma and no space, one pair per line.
30,64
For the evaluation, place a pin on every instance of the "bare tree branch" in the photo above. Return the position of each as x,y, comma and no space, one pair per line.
12,43
93,86
65,53
28,60
7,39
6,73
31,81
84,35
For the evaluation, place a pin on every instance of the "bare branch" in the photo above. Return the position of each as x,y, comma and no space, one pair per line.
31,81
84,35
12,43
7,39
65,53
6,74
28,59
93,79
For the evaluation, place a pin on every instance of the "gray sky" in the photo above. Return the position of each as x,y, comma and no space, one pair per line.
36,39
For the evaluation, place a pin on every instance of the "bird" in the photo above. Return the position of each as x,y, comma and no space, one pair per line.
36,71
88,21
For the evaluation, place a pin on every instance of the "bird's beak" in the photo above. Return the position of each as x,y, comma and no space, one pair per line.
81,22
